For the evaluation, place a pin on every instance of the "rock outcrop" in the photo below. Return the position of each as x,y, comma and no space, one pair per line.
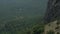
52,26
53,11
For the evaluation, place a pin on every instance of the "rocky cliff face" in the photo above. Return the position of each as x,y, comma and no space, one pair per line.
53,11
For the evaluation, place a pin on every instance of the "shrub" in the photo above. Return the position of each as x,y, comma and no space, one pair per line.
50,32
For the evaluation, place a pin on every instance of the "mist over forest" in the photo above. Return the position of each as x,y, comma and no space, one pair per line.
19,15
22,7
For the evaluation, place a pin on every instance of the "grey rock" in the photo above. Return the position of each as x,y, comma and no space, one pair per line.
53,11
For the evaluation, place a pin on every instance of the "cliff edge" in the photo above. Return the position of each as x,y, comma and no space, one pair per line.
53,11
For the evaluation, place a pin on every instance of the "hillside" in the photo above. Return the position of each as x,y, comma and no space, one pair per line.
52,17
52,27
53,11
29,17
18,16
19,23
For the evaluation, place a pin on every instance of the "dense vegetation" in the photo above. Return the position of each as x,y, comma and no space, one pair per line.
22,25
22,16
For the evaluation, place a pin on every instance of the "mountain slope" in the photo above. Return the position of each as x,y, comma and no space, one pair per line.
53,11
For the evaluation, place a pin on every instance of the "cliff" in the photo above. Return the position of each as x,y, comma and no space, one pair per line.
53,11
52,17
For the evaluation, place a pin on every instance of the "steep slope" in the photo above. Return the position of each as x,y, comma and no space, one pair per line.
52,17
52,26
53,11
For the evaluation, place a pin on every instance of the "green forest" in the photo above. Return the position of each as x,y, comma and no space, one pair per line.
22,16
23,25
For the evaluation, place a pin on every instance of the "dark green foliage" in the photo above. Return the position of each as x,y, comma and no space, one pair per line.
58,22
38,29
50,32
57,27
58,33
26,25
